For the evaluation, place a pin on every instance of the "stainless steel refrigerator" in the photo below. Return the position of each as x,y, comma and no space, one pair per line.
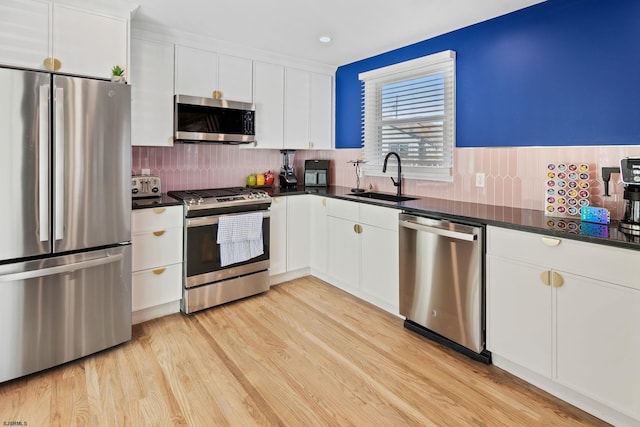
65,220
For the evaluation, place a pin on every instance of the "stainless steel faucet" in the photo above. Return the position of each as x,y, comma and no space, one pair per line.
398,182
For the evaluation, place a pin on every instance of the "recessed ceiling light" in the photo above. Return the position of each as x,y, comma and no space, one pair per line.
325,39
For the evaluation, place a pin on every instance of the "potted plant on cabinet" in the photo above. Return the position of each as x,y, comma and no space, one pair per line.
117,74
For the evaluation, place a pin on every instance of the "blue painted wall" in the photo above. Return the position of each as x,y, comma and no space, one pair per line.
565,72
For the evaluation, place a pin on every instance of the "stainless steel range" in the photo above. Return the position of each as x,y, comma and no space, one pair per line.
216,273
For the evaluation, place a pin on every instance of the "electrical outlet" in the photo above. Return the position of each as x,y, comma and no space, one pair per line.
479,179
146,171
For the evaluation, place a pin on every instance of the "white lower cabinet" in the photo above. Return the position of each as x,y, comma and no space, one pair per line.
318,238
298,232
278,236
598,341
519,320
344,253
363,251
157,261
554,311
289,237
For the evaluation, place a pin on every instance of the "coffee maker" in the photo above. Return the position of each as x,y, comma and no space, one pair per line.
630,173
287,177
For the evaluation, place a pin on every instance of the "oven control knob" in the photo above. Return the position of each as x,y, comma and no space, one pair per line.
250,196
200,200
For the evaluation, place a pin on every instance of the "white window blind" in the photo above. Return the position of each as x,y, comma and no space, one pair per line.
409,108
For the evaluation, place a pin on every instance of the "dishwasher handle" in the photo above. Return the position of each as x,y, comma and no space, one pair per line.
440,231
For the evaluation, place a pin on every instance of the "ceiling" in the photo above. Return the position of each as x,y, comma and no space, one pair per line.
358,28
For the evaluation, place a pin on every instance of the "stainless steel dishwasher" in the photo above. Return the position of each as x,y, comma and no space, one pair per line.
441,282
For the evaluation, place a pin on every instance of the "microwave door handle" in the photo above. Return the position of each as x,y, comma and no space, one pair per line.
43,163
59,165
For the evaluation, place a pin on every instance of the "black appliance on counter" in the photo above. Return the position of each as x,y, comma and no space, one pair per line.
630,172
316,173
207,282
287,176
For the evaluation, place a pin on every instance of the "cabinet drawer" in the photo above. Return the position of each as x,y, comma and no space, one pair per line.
606,263
343,209
379,216
153,249
154,219
156,286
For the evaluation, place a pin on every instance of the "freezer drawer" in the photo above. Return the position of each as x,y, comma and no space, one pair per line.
59,309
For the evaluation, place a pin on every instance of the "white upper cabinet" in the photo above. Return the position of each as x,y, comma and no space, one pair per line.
308,109
152,93
268,96
235,78
321,112
296,108
293,107
88,44
70,40
196,71
201,72
24,38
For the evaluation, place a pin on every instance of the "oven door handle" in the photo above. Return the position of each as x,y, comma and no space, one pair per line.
211,220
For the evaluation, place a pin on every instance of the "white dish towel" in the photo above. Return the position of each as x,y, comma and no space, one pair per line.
240,237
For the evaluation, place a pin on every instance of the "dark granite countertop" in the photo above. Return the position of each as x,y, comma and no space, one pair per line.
519,219
154,202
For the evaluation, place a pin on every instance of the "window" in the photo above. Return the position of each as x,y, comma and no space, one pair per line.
409,108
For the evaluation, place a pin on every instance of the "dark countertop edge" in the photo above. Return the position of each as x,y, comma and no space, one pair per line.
528,220
154,202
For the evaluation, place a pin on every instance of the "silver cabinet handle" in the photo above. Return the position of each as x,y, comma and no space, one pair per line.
43,163
33,274
59,172
470,237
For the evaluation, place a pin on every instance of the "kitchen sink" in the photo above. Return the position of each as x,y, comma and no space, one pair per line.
383,196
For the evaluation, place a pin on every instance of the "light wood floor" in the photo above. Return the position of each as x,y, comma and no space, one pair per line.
302,354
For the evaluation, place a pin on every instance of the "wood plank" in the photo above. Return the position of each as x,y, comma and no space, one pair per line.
304,353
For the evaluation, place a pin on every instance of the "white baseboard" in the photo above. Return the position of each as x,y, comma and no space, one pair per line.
155,312
576,399
289,275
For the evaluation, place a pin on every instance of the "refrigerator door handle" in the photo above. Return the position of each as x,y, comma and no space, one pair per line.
43,163
59,171
67,268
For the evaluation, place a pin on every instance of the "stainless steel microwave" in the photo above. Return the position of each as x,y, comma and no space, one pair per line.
210,120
